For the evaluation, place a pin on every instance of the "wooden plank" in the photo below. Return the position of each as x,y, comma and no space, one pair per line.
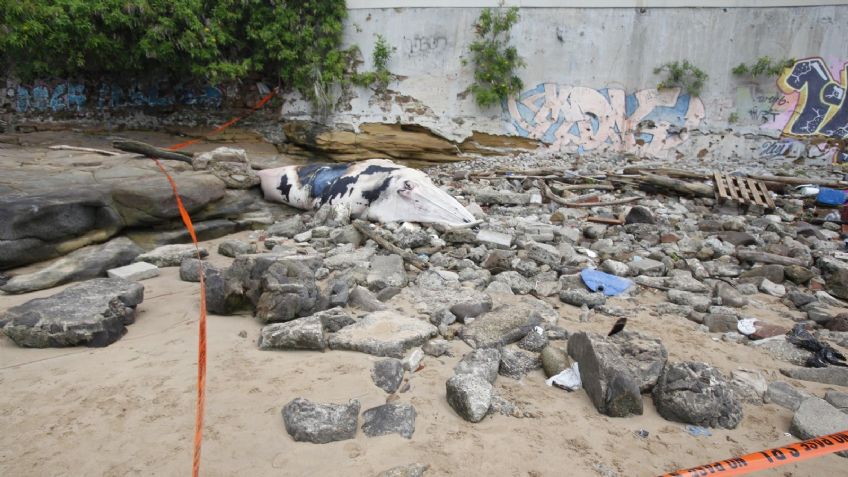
719,182
766,194
757,199
605,220
743,190
734,194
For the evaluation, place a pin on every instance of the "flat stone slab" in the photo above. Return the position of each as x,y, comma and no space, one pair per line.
383,333
320,423
816,417
92,313
499,327
389,419
134,272
302,333
171,255
830,375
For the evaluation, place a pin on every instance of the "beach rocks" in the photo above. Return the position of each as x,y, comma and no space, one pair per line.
837,376
696,393
578,297
469,395
501,326
87,262
816,417
409,470
785,395
389,419
92,313
383,333
320,423
302,333
232,248
483,363
387,374
386,271
171,255
515,363
554,360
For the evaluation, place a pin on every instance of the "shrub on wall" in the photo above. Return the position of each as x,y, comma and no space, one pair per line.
495,62
683,75
213,40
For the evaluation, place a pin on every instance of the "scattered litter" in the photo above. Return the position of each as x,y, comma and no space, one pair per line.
610,285
698,431
746,326
823,355
807,190
568,379
833,216
642,433
830,196
588,253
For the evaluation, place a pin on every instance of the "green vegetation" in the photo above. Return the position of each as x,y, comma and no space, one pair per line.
214,40
764,66
733,118
381,75
495,62
685,76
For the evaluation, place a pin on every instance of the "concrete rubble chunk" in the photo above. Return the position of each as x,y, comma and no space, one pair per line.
383,333
320,423
697,393
515,362
389,419
135,272
493,239
816,417
302,333
409,470
386,271
837,399
470,396
231,248
362,298
190,269
92,313
834,375
387,374
785,395
501,326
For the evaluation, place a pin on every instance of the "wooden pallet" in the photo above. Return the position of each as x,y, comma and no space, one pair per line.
743,190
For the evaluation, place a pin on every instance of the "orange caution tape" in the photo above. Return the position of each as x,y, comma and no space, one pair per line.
767,459
200,404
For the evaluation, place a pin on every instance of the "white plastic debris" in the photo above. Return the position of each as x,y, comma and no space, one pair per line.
568,379
746,326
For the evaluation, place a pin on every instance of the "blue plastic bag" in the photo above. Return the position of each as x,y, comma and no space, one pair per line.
830,196
611,285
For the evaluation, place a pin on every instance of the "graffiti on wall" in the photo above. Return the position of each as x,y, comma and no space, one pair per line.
73,97
574,118
813,106
424,45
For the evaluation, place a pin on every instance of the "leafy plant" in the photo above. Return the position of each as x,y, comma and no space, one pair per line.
495,62
733,118
381,75
765,66
297,43
685,75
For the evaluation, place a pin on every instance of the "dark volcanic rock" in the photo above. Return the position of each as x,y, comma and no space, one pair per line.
389,419
92,313
696,393
320,423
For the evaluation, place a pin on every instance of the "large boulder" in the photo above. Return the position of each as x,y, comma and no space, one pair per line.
320,423
92,313
697,393
607,378
88,262
150,200
289,292
383,333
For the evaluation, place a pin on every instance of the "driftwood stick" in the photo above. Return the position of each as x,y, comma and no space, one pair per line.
559,200
682,187
365,229
152,151
764,257
557,185
63,147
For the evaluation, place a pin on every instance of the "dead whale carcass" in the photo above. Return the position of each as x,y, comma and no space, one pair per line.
376,189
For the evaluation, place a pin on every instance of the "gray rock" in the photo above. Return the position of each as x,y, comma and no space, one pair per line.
134,272
388,293
288,291
613,389
362,298
501,326
831,375
773,273
515,363
302,333
837,283
412,361
232,248
88,262
171,255
578,297
517,283
696,393
721,268
543,253
697,301
92,313
339,293
483,363
554,360
436,347
785,395
720,322
773,289
639,215
783,350
386,271
535,341
471,308
409,470
614,267
816,417
190,269
389,419
799,298
647,267
749,385
469,395
727,295
837,399
798,274
288,228
320,423
334,319
383,333
493,239
387,374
